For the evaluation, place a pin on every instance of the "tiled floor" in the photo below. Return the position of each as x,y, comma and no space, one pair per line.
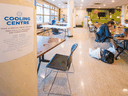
92,77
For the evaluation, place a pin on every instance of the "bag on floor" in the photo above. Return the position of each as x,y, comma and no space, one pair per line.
95,53
107,57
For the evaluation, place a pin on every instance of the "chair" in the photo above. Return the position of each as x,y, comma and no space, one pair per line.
107,40
60,63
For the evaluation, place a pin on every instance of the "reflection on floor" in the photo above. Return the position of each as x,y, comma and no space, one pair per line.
92,77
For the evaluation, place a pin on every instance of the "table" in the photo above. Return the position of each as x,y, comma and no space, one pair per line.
57,27
125,38
61,23
45,44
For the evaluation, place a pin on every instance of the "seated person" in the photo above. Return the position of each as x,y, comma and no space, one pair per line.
61,20
90,22
53,21
125,23
114,23
91,26
103,34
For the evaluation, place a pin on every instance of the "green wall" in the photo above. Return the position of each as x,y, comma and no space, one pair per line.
95,17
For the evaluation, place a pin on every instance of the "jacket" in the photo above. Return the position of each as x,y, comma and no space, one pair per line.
103,33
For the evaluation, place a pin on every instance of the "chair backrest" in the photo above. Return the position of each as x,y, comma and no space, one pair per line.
70,56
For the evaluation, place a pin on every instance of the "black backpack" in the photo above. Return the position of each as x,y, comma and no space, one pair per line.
107,57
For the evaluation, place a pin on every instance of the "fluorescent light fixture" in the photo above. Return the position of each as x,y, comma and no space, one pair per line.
113,1
104,4
53,0
82,0
80,7
81,4
125,90
59,4
99,7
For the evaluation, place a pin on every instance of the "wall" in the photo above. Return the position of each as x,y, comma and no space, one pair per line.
19,77
95,17
80,18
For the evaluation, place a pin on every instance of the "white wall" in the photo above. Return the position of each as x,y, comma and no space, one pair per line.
80,18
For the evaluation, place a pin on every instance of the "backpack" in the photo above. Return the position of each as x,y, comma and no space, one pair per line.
107,57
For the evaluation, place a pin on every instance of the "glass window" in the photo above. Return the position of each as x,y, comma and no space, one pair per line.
56,8
46,11
52,12
46,6
39,4
56,13
39,10
39,19
56,18
46,18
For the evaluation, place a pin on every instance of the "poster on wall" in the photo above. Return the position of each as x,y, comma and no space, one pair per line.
16,31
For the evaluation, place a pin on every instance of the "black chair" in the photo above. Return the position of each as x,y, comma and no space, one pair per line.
60,63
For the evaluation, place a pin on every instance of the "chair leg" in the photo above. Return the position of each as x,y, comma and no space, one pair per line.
72,68
52,83
68,82
44,79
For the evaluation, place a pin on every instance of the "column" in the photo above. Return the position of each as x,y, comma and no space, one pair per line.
123,16
18,77
74,18
70,9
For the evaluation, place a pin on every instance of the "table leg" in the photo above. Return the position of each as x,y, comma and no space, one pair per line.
65,34
41,60
39,65
121,50
44,60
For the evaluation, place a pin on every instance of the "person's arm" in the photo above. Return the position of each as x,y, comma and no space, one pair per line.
107,32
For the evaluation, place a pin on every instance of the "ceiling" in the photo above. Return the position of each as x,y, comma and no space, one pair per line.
89,3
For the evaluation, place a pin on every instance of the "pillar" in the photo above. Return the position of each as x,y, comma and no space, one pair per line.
74,18
123,15
18,77
70,9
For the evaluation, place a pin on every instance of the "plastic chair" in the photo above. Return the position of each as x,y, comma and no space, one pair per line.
60,63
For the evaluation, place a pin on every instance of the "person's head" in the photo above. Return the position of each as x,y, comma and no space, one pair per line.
90,19
126,21
110,23
54,18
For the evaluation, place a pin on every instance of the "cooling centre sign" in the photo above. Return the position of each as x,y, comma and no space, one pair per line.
18,20
16,31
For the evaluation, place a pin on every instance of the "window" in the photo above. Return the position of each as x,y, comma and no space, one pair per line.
39,10
46,6
46,19
52,12
39,19
45,13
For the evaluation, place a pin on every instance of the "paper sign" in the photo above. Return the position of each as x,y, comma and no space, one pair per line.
16,31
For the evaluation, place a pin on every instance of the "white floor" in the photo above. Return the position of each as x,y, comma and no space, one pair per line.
92,77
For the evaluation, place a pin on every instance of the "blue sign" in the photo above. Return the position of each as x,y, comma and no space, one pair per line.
18,20
85,16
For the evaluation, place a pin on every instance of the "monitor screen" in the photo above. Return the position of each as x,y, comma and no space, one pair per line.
101,14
